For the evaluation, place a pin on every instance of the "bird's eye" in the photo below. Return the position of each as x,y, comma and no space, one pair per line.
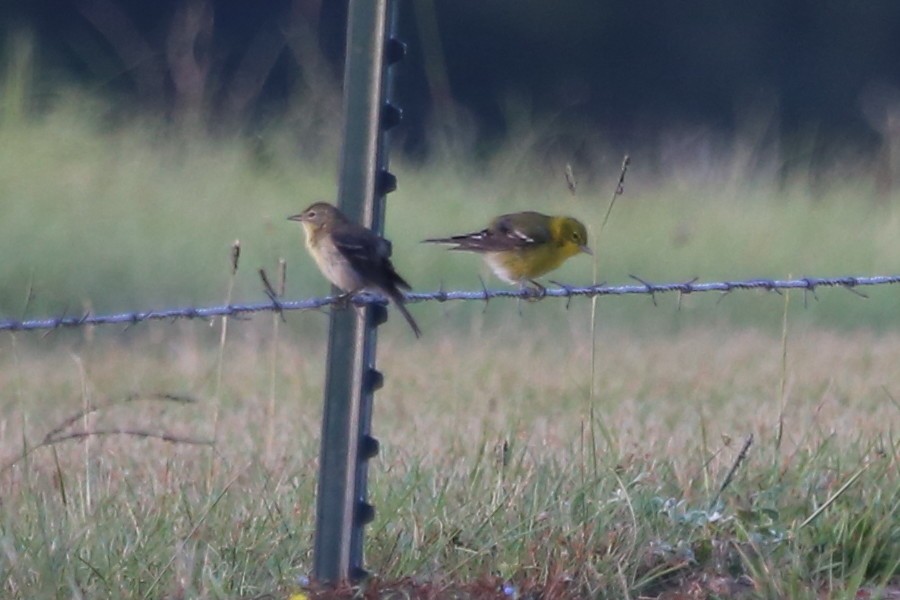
311,214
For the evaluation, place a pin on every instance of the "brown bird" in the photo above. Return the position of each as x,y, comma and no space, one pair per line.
352,257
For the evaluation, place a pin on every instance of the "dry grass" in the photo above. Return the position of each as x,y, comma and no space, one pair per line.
653,392
485,458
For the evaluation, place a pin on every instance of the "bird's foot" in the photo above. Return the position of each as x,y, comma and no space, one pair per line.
535,292
344,300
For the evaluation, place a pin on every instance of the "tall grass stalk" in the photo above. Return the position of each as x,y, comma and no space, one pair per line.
86,406
783,384
220,362
273,361
837,494
592,395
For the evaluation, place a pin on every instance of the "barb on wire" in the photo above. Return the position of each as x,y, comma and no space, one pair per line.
484,289
272,294
441,294
693,286
686,290
649,287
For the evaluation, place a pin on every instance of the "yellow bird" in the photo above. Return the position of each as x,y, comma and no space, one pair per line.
352,257
520,247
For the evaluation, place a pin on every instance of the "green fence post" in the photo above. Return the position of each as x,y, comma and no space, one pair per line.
351,379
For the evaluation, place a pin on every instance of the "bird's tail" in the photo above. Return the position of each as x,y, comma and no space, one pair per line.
400,302
448,240
469,241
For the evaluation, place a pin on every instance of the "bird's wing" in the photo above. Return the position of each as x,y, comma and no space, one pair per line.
369,255
506,232
359,245
521,229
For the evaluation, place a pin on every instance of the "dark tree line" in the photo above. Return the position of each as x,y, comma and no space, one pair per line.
623,67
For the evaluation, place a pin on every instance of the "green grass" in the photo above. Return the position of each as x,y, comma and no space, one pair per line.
486,476
136,216
491,471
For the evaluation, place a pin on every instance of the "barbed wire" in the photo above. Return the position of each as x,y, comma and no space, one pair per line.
275,304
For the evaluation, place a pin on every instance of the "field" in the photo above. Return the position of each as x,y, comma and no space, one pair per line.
501,474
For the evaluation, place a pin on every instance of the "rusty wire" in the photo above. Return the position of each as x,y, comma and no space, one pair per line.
274,303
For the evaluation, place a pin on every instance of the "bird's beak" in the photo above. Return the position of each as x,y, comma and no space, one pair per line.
296,217
586,250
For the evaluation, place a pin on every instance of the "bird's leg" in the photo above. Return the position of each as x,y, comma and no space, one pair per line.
535,293
343,300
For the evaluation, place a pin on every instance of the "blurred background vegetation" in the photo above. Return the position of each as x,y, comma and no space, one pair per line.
138,140
624,71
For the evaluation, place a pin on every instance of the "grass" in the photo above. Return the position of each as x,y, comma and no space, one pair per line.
129,217
487,484
485,477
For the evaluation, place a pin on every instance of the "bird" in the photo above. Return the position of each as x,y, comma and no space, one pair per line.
520,247
351,256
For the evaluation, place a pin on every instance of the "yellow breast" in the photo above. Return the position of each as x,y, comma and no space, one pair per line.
517,266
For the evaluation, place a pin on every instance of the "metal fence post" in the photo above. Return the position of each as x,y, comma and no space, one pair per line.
351,379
